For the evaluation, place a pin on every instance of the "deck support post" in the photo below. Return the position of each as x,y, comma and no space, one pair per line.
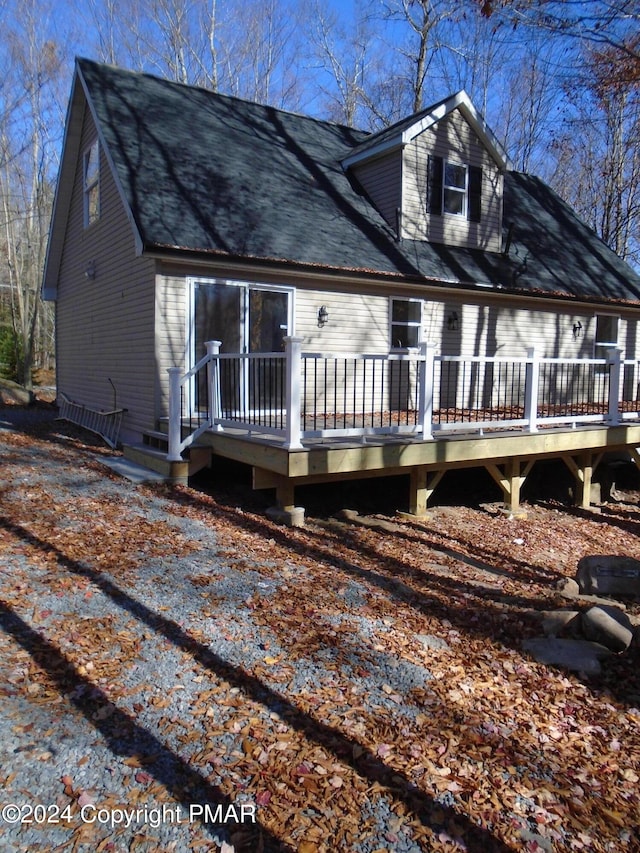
510,478
418,491
286,512
582,468
285,493
422,484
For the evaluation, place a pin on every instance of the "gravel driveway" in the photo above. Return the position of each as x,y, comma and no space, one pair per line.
151,700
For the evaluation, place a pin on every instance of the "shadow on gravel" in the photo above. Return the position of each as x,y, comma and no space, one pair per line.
432,814
621,677
123,735
395,578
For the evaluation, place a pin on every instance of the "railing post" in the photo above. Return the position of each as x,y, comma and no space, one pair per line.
614,359
175,414
293,369
532,377
425,392
213,384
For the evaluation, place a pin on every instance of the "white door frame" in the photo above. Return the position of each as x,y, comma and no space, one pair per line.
191,356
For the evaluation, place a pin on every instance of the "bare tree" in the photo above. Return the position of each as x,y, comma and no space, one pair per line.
598,157
528,116
607,25
260,59
428,32
26,181
340,58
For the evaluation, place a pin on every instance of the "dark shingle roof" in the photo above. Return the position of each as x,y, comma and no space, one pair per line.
204,172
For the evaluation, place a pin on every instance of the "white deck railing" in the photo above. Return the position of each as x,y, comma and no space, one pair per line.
295,396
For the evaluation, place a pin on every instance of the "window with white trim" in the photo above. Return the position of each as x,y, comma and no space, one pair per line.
91,184
606,334
406,322
454,189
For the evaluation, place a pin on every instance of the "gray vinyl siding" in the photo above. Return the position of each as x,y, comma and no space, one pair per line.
453,140
358,322
105,325
381,179
171,325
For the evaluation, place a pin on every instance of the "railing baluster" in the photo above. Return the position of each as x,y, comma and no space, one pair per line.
358,394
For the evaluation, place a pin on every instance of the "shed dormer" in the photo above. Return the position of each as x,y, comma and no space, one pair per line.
437,176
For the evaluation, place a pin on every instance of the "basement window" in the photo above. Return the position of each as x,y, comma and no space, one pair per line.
406,323
91,165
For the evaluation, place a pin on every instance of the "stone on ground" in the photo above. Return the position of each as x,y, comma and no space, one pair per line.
609,575
575,655
555,622
608,626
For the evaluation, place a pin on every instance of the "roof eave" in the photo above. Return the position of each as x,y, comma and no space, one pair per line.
459,101
209,256
64,187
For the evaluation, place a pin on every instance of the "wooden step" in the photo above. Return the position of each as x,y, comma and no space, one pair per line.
156,438
155,459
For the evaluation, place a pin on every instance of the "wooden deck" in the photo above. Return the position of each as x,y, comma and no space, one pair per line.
507,456
338,416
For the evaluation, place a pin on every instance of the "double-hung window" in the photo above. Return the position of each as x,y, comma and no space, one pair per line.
406,323
606,334
91,165
454,189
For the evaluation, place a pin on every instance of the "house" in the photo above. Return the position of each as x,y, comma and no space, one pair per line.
184,216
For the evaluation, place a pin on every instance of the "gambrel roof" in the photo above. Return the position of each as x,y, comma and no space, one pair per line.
213,176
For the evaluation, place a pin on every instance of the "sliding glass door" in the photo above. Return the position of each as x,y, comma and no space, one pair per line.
247,319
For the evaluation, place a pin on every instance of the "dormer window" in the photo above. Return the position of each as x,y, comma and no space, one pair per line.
437,176
454,189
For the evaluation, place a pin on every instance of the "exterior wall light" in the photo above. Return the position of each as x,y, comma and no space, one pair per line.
323,316
577,330
90,271
452,322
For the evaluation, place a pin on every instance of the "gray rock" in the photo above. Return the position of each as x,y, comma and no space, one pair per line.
541,842
13,394
576,655
609,575
568,588
290,517
608,626
555,622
